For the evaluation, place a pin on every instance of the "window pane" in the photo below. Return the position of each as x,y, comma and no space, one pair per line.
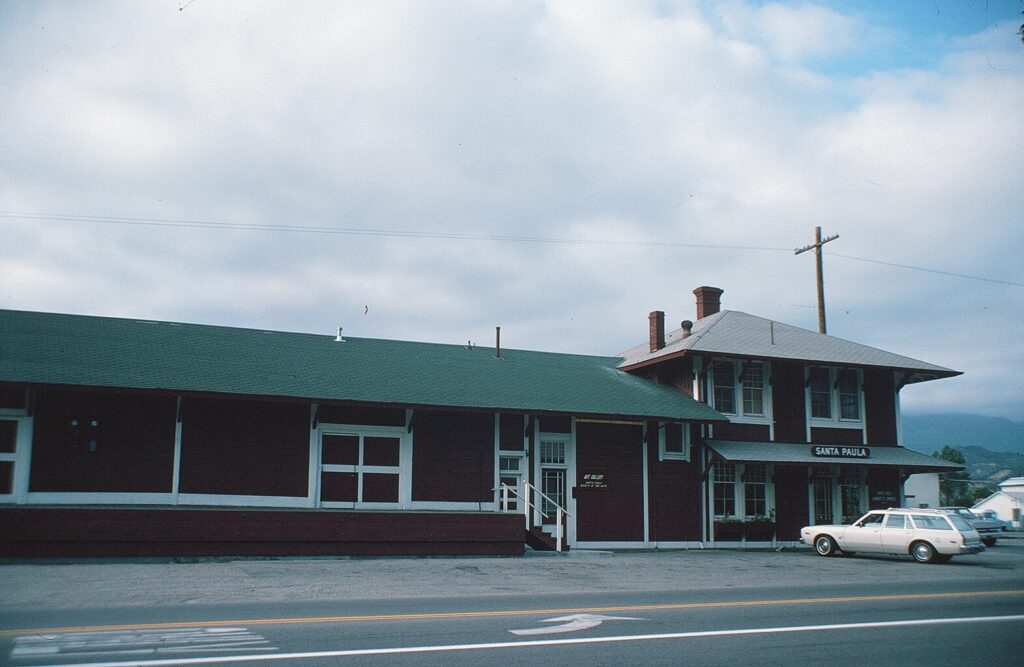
756,474
822,500
756,502
821,393
340,487
6,477
341,450
753,389
380,488
931,522
380,451
674,443
552,486
755,490
724,489
8,435
724,380
508,464
896,521
552,452
725,472
849,395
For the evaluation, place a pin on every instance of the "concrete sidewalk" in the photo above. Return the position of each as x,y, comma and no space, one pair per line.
81,585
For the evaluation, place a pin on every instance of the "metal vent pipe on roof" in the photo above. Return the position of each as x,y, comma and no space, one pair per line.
338,338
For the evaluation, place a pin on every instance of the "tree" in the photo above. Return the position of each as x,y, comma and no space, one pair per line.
954,487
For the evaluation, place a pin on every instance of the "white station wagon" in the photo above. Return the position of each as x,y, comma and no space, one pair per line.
930,536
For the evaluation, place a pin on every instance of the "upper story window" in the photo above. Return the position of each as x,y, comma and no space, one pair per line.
834,394
674,442
740,388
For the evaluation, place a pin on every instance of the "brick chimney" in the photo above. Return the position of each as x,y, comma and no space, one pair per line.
709,301
657,330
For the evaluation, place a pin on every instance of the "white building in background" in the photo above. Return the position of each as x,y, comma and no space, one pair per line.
1007,502
922,490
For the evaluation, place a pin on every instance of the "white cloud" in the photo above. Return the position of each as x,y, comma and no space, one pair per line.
613,121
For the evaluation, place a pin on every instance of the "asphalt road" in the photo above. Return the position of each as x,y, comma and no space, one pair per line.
695,607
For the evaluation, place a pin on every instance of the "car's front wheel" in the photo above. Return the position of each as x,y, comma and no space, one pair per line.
825,545
922,552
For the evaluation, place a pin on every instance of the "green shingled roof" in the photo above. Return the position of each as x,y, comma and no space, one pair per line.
44,348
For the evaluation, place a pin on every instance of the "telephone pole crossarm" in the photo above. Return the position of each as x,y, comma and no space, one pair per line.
816,247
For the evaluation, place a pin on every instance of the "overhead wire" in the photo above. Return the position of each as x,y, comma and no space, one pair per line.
461,236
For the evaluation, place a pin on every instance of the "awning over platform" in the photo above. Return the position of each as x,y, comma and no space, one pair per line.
735,451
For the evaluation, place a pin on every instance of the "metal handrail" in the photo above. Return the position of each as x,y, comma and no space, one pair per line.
528,504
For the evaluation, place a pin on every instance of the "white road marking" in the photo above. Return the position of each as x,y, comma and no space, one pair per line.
572,623
551,642
111,643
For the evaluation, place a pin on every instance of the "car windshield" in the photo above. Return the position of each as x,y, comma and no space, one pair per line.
959,522
966,513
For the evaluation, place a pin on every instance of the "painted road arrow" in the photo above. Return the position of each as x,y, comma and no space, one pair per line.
572,623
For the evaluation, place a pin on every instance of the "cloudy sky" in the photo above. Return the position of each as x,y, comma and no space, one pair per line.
431,170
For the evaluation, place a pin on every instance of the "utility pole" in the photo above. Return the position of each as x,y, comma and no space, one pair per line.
818,242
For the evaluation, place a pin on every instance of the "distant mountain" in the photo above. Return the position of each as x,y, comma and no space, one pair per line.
994,467
928,433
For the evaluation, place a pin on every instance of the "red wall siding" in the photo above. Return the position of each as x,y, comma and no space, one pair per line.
880,406
343,414
133,448
615,513
788,401
512,432
43,532
12,395
453,457
751,432
254,448
836,436
675,499
791,501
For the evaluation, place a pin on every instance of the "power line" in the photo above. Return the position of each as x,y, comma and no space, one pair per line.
351,231
307,229
927,270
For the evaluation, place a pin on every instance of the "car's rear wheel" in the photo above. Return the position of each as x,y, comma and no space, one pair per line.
825,545
923,552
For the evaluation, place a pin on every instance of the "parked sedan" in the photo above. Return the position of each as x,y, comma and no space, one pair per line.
927,535
989,529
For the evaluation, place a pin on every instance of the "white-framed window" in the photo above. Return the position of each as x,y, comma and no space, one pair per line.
741,490
674,442
725,489
740,389
364,467
511,468
755,490
8,454
835,395
553,472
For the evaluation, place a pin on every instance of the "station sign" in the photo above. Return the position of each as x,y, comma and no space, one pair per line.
841,452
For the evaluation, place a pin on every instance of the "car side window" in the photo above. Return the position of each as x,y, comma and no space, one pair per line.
896,521
872,520
931,522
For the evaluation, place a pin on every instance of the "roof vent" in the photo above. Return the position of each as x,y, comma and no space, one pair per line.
687,327
338,338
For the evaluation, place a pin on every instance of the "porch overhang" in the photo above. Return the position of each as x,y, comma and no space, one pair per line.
737,451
